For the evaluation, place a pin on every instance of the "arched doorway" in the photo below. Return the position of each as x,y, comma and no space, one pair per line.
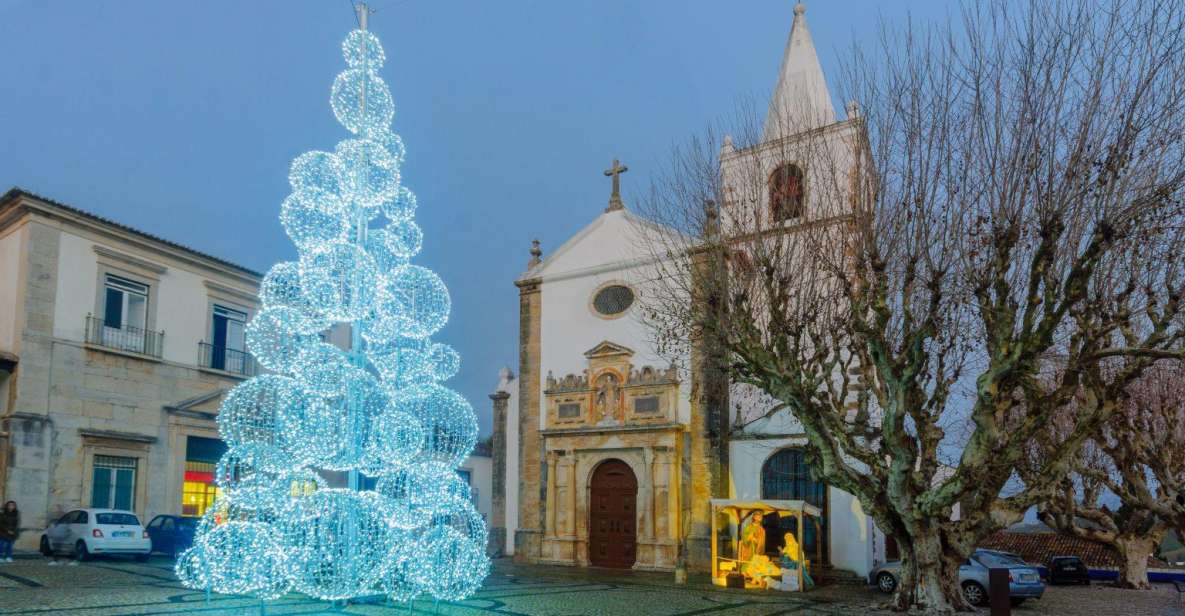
612,513
786,476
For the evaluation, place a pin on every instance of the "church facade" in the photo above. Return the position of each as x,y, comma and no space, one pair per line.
609,454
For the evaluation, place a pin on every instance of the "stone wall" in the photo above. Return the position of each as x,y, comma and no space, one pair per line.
497,524
652,453
30,424
107,403
69,401
532,475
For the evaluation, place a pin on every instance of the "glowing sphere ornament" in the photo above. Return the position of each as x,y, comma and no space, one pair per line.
350,90
338,542
317,178
404,238
340,479
456,566
445,362
415,301
307,224
248,476
323,368
281,288
449,421
370,174
339,278
403,206
362,49
276,337
387,262
396,440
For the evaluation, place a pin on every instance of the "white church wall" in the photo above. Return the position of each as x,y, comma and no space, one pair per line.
826,157
481,481
607,251
851,533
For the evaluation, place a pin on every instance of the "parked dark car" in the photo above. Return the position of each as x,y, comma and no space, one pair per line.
1068,570
171,534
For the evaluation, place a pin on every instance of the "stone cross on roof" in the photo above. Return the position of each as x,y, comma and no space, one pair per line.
615,172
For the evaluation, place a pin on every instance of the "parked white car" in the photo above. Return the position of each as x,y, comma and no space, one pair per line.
84,533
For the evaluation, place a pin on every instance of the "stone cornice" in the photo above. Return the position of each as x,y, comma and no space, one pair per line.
18,203
528,286
117,435
239,294
664,427
780,142
103,251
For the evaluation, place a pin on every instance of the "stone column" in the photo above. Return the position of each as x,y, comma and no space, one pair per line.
532,489
30,458
552,460
498,520
704,468
648,502
671,469
571,493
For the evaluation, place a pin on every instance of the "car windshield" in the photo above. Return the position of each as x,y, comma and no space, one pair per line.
995,559
117,518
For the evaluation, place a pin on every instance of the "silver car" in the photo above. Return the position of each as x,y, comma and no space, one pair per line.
1024,580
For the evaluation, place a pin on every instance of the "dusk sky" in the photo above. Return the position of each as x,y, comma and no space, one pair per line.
181,118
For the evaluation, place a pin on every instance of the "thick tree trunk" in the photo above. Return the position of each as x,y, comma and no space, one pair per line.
1133,561
929,578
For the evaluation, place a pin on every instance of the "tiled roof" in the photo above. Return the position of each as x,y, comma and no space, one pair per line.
17,192
1038,548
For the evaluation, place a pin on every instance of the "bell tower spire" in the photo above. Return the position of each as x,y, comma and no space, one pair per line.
801,100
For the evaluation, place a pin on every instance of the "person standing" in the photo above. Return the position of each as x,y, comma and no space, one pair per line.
10,527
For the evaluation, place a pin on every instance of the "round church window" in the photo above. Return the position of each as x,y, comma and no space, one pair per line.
613,300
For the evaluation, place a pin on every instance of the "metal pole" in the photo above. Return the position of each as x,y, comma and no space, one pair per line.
362,13
357,357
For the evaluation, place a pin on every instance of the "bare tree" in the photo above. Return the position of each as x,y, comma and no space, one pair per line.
1127,488
1003,189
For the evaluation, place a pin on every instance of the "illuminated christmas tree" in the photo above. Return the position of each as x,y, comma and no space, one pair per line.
404,524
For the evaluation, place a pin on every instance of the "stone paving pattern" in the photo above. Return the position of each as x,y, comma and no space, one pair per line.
115,587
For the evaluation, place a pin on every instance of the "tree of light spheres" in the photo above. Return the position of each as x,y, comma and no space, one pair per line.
376,412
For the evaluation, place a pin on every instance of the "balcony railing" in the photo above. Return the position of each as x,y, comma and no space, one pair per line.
124,337
226,359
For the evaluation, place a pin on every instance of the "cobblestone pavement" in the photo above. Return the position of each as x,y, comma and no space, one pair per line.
110,587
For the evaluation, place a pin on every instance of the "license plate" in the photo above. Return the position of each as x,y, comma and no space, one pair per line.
1028,578
122,533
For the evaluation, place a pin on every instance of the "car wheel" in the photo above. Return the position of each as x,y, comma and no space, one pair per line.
45,549
1016,601
886,582
80,551
974,593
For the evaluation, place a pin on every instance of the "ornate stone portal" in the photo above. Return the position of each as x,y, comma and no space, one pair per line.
612,413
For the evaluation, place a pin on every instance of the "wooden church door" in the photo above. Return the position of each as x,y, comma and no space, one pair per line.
612,527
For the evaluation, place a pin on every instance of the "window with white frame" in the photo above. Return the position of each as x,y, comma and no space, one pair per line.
227,339
113,483
125,313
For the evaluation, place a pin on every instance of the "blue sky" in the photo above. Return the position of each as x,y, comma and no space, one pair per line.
181,118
